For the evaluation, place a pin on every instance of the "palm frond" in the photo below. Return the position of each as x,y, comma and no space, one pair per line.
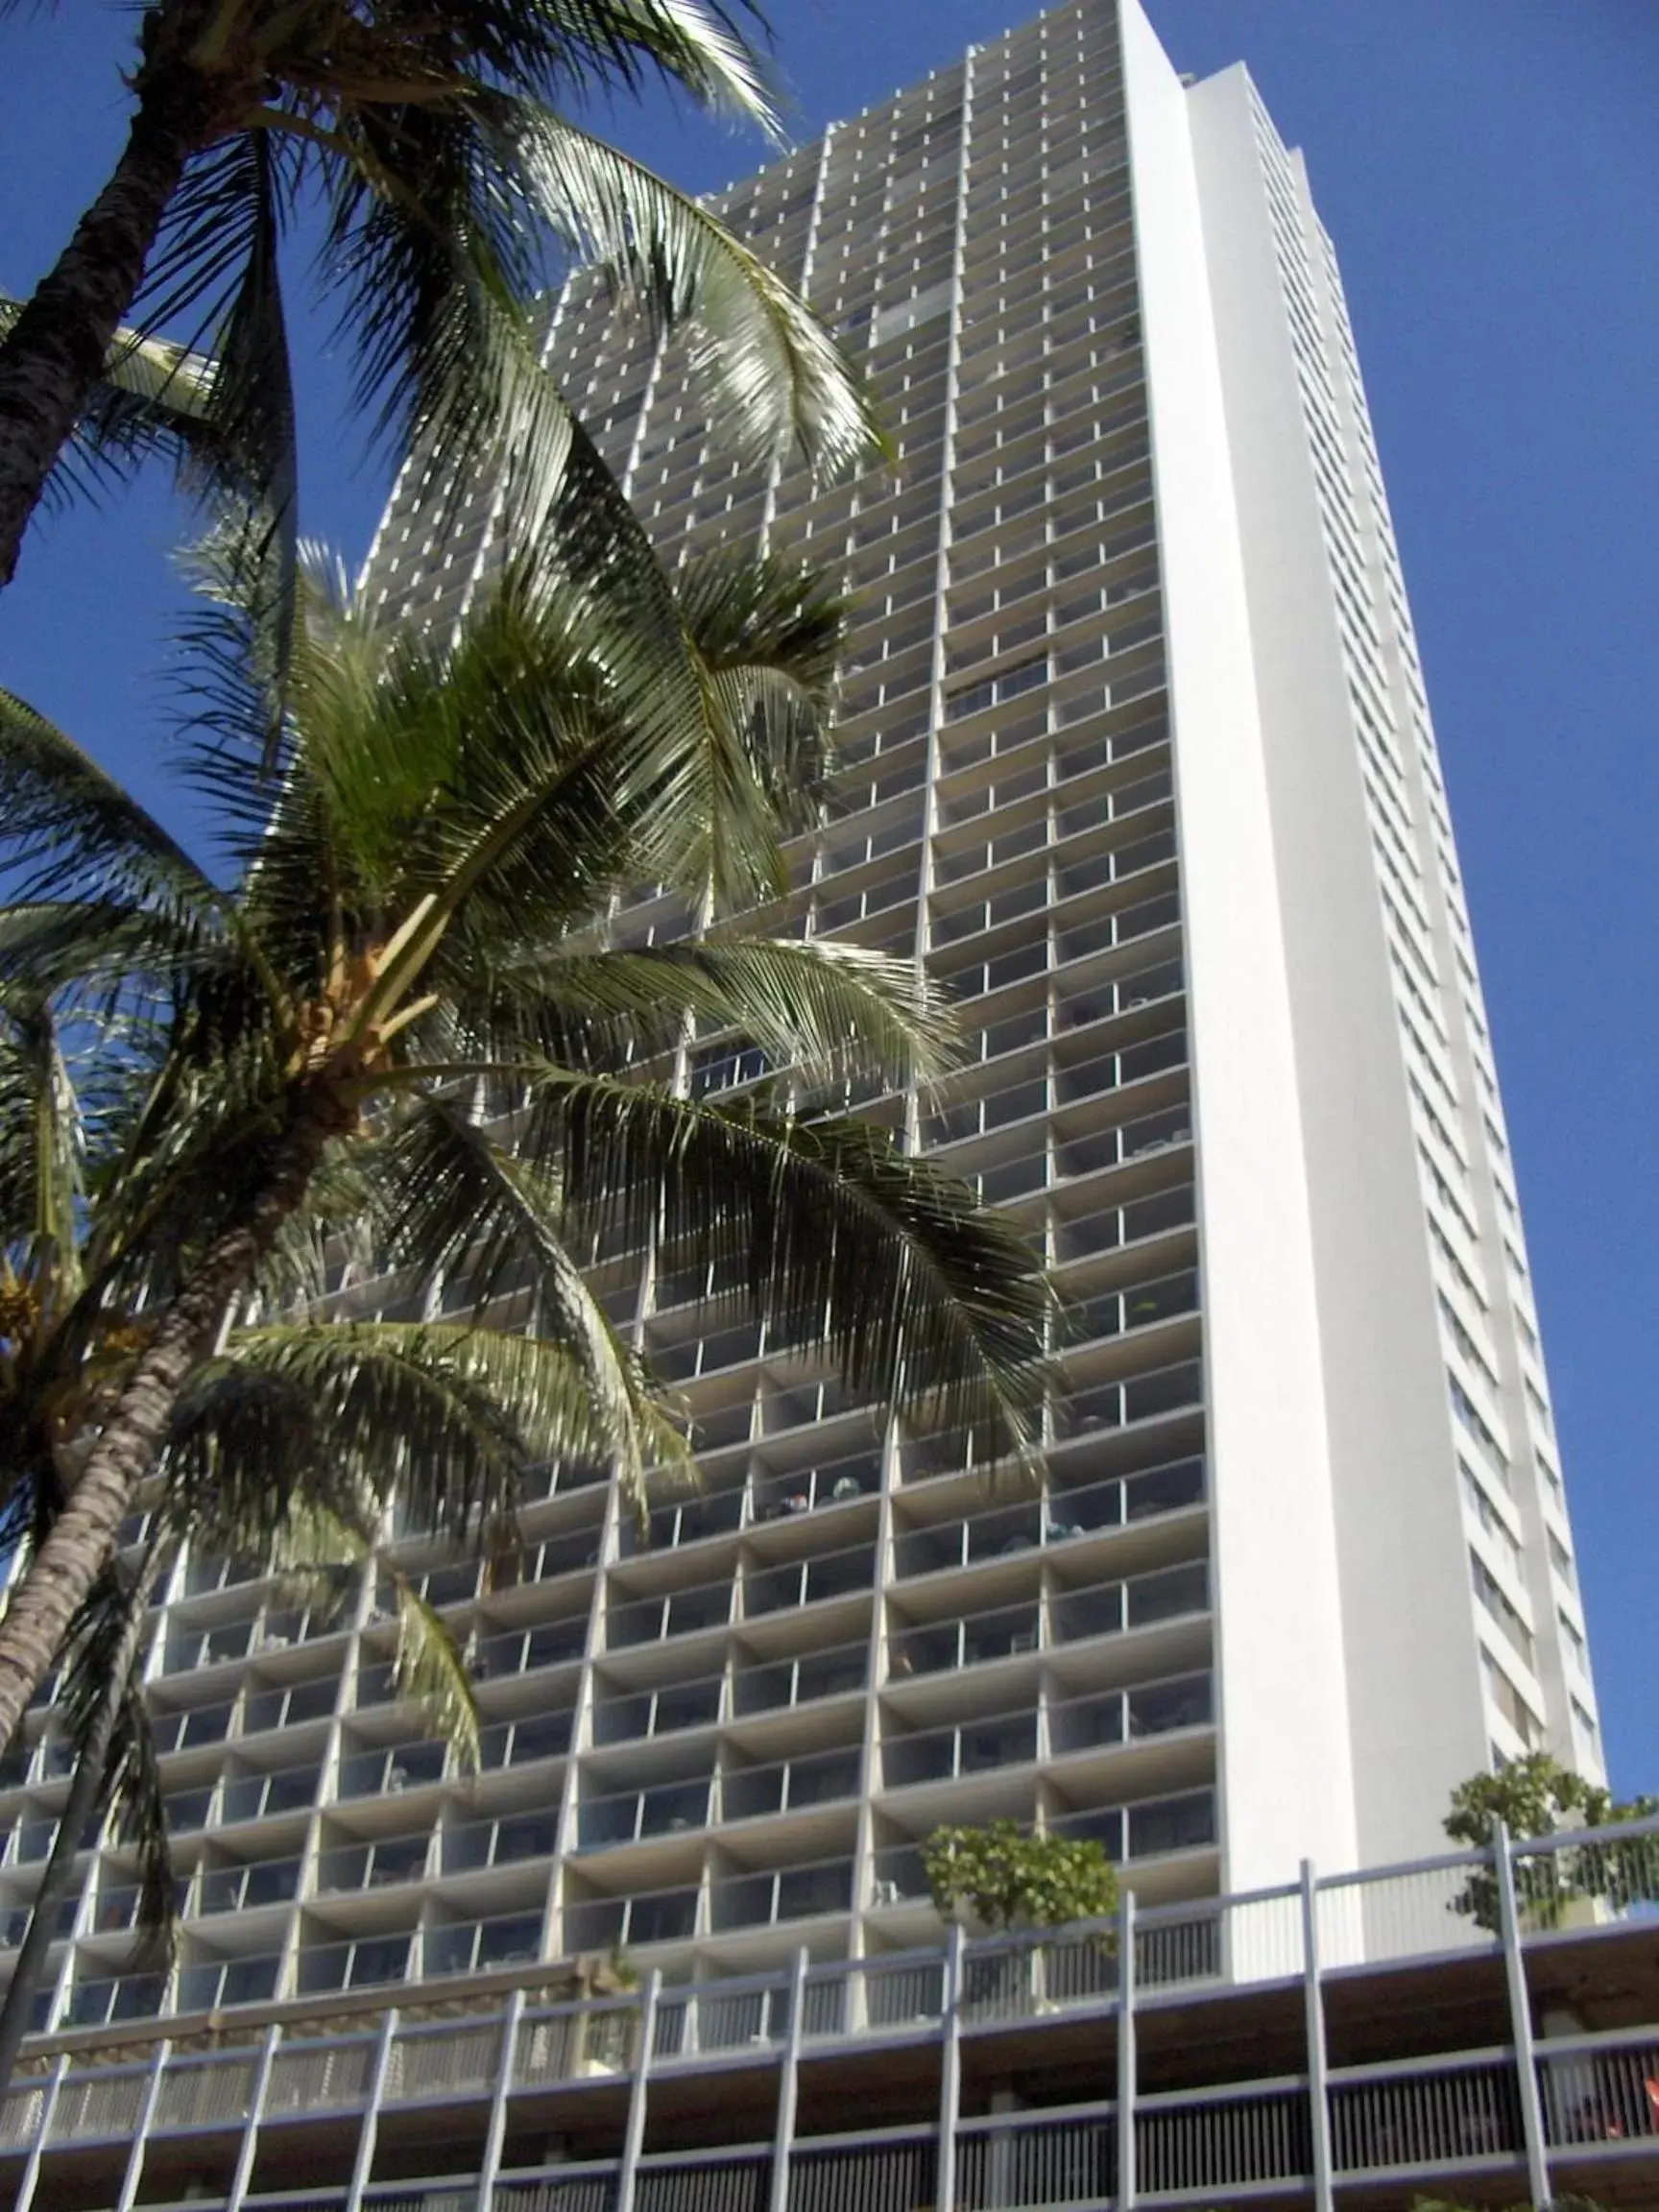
463,1207
429,1669
698,47
447,1417
95,947
769,632
827,1011
773,375
849,1249
437,285
42,1142
70,831
104,1648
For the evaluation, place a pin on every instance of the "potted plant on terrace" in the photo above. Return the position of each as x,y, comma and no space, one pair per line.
1004,1878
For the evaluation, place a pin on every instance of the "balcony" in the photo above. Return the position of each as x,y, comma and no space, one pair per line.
760,1686
621,1715
1166,1390
377,1865
468,1846
1011,1632
762,1899
231,1887
669,1808
1108,1228
387,1772
1113,1313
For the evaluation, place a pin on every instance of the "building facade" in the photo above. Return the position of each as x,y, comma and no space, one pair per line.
1136,754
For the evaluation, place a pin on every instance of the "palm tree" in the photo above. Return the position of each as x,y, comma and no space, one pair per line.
286,1452
408,980
430,144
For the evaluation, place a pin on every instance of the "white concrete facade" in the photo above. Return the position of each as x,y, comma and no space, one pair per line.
1394,1256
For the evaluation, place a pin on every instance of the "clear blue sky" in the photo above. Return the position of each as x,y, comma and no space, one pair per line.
1490,172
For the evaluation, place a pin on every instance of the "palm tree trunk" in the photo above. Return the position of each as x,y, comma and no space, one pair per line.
78,1806
55,353
83,1538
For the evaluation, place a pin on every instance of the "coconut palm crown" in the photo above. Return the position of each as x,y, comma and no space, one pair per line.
430,151
407,981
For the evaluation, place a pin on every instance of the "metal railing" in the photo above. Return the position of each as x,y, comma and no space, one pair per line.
1509,2109
1224,2140
1062,2155
1457,2110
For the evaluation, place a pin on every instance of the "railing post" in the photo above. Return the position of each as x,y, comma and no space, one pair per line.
141,2126
634,2136
949,2071
257,2095
1314,2008
489,2165
377,2073
1520,2017
48,2108
1126,2179
783,2139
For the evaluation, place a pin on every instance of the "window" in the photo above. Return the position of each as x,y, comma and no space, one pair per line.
1442,1244
1536,1406
1490,1522
1561,1559
1498,1607
1491,1451
1009,684
1466,1343
1582,1722
905,314
1574,1641
1509,1701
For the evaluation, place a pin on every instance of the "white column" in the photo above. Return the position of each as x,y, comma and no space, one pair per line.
1125,2050
1314,2008
783,2138
48,2107
377,2073
141,2128
1520,2017
633,2139
489,2165
250,2142
949,2071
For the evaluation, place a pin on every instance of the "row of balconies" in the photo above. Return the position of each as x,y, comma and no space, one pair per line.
730,1787
752,1495
879,863
921,1640
715,1892
311,1958
745,1589
272,1631
930,1633
679,1357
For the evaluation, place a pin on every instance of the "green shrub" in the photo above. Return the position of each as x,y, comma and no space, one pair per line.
1005,1876
1538,1796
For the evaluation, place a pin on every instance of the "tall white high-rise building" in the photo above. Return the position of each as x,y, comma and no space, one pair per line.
1137,756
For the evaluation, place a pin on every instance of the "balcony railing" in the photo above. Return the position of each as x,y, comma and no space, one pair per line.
1517,2113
